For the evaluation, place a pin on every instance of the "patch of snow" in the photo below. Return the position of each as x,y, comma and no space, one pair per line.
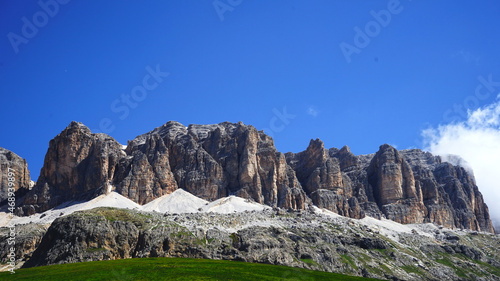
112,199
124,147
388,228
326,212
428,228
179,201
233,204
391,229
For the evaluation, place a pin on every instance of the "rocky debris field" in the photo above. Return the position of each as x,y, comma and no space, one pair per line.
314,238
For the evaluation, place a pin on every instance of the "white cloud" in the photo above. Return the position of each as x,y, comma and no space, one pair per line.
311,110
477,141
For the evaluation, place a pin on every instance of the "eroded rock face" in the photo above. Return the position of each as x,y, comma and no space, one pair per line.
214,161
322,179
145,173
78,166
407,186
394,186
392,177
25,242
346,158
470,211
19,167
119,238
449,192
209,161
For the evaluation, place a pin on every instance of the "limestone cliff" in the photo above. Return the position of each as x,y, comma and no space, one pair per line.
209,161
214,161
78,165
21,181
408,186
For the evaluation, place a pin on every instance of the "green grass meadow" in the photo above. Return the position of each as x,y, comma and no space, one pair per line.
170,269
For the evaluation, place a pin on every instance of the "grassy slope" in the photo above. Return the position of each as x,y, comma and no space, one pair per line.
170,269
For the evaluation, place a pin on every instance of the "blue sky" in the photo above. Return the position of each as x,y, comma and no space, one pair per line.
250,61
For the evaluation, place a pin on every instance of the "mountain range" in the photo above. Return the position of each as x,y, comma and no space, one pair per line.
215,161
224,191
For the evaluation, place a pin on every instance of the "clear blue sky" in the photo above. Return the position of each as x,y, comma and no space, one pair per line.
243,62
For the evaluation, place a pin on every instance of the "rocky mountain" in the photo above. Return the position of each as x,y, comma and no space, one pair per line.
209,161
77,165
214,161
408,186
21,178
